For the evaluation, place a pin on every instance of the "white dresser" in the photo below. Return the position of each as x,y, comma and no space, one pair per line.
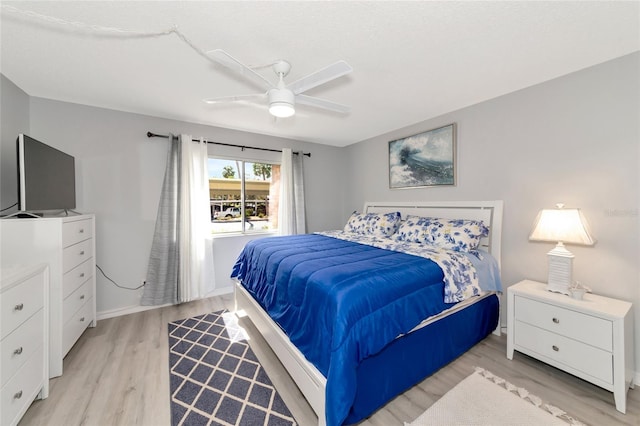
67,245
590,338
24,339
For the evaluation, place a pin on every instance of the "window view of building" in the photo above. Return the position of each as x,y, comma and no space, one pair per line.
243,196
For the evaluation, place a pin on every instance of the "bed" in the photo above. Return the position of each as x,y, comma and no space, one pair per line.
359,317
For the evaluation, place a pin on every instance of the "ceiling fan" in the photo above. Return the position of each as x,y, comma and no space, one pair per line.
280,97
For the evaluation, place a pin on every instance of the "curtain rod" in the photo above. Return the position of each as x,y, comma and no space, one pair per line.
243,147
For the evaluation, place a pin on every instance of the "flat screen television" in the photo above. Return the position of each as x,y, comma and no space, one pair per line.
46,177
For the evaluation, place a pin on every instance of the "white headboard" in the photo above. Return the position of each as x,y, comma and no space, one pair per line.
490,212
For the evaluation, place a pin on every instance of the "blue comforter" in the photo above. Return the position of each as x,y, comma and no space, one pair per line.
339,301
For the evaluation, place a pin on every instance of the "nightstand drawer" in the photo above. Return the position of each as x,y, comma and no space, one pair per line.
581,327
571,353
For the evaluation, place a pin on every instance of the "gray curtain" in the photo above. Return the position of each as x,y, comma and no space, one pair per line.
298,193
162,273
291,211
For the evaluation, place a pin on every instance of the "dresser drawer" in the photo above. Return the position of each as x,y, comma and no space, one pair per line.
19,303
582,327
571,353
71,304
20,345
77,324
75,277
76,231
24,386
76,254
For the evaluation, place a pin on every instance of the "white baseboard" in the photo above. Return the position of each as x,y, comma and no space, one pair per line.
221,291
139,308
126,311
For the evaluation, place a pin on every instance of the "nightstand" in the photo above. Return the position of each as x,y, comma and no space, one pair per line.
590,338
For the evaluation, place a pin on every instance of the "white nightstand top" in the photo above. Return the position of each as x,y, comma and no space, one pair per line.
591,303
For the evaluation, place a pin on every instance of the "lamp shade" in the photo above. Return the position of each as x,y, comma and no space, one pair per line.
562,225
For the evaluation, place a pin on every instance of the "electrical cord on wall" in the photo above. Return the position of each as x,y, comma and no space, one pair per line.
115,283
7,208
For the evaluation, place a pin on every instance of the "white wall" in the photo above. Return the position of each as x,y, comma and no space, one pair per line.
119,173
574,140
14,119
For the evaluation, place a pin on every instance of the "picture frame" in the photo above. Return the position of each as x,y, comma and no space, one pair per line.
424,159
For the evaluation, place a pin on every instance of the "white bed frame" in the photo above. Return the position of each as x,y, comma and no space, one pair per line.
309,380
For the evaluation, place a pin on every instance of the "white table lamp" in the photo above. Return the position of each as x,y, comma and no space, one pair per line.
562,226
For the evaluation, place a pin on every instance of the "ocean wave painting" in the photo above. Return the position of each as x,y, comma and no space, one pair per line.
425,159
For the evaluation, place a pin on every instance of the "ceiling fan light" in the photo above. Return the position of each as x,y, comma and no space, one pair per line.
281,103
281,109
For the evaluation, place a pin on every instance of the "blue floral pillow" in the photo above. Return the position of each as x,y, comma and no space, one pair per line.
450,234
377,224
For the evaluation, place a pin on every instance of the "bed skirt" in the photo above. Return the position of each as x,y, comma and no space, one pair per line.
383,376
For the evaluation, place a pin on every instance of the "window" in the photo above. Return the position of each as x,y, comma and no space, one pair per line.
243,196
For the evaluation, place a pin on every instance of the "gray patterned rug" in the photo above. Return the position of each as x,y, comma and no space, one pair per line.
215,378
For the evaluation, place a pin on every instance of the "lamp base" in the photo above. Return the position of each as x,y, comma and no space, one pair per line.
560,269
558,288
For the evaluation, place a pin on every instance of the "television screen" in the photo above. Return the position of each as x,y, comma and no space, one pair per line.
46,177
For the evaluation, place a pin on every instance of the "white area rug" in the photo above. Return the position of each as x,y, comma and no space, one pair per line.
486,399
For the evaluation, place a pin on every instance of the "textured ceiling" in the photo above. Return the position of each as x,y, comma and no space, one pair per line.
412,60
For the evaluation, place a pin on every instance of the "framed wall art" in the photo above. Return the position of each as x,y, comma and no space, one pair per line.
424,159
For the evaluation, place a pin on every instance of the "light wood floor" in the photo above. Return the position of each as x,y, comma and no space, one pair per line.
117,374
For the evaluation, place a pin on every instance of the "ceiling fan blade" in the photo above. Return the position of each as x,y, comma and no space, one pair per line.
239,98
322,103
223,58
319,77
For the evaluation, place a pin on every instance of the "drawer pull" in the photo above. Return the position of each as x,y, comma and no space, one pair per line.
18,351
82,319
556,321
82,253
18,307
81,230
17,395
82,275
82,297
555,348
